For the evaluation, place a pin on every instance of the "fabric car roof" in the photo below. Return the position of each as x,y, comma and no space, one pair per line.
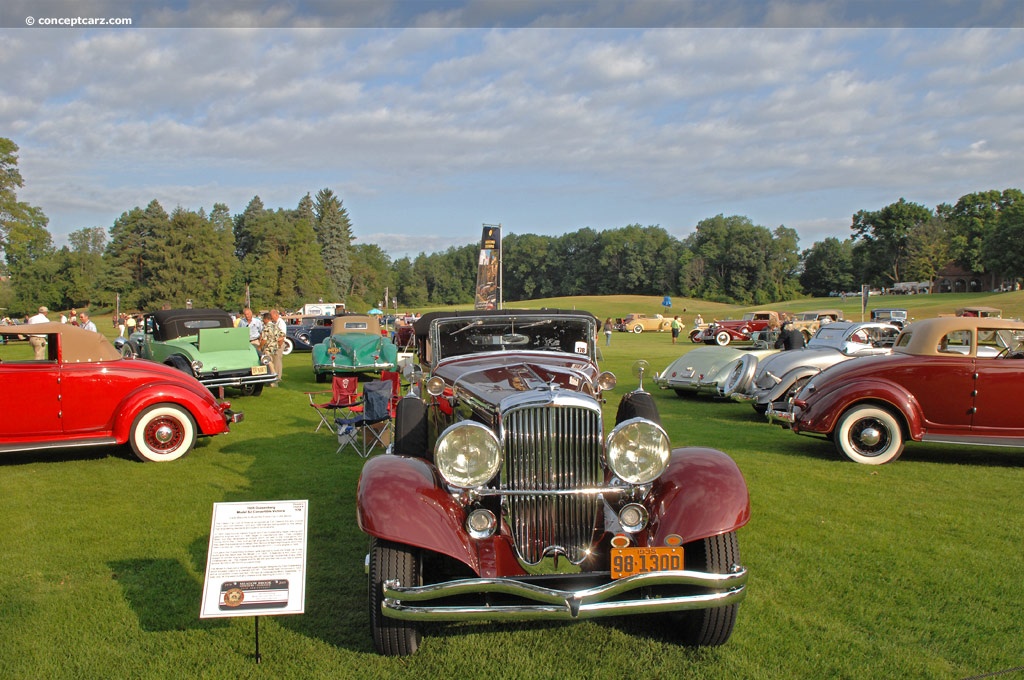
77,345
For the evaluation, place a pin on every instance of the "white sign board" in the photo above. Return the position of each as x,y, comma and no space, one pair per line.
256,563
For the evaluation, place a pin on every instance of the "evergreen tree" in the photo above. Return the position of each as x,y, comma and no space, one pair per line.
334,233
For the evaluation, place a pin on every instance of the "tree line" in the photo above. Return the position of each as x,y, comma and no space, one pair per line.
150,257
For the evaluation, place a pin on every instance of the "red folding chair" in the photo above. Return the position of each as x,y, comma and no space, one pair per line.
395,379
344,399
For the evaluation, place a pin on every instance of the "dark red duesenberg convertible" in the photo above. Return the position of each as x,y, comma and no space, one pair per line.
504,499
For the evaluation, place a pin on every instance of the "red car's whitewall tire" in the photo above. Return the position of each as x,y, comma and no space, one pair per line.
162,433
869,434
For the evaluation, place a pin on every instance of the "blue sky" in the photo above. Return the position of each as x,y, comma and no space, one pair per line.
431,118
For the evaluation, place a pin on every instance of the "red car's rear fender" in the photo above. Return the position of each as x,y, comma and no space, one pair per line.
208,415
701,494
830,407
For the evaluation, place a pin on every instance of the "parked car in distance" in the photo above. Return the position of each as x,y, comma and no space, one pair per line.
508,497
983,312
355,345
203,343
808,323
86,394
638,323
897,317
704,370
780,376
306,331
950,379
746,329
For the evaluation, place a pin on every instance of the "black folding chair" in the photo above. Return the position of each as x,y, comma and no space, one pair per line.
373,426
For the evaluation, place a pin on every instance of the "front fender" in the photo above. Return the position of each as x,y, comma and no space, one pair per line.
702,493
403,500
824,411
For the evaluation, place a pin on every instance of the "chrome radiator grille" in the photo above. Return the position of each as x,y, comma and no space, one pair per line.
548,449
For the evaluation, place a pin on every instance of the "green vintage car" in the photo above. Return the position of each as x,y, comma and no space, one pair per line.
355,345
203,343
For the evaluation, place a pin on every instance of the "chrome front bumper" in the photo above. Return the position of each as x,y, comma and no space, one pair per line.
548,604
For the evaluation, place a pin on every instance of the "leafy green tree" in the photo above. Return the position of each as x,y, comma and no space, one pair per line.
83,268
411,287
372,274
1004,247
971,220
828,267
885,237
928,250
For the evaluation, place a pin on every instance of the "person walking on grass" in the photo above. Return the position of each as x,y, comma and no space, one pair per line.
677,326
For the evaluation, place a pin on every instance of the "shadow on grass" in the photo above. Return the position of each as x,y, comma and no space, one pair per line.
162,594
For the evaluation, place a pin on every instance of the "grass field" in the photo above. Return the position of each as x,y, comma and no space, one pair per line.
910,570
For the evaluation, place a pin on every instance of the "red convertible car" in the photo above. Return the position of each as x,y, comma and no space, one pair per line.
739,330
508,497
85,394
954,380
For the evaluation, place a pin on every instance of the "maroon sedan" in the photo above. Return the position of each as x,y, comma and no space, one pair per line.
85,394
952,380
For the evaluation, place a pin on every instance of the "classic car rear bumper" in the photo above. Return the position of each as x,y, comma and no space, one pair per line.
539,603
780,413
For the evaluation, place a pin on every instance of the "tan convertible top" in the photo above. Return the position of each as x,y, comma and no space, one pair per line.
77,345
923,337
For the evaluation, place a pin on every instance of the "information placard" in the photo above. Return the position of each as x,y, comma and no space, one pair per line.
256,563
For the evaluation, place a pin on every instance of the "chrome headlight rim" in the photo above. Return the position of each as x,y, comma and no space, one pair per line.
452,462
637,451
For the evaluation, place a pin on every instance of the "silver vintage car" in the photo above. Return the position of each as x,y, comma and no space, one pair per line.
780,376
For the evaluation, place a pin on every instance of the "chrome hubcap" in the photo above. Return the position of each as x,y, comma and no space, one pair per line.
164,434
870,436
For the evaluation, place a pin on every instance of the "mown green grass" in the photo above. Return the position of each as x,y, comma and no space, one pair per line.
907,570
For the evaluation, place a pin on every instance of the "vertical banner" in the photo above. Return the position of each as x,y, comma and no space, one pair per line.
488,277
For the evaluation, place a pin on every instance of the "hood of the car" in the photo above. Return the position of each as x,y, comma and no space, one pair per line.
493,376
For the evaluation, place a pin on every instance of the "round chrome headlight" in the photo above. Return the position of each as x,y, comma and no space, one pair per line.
606,381
638,451
467,455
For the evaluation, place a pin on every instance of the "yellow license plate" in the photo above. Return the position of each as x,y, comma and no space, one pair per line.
632,561
259,370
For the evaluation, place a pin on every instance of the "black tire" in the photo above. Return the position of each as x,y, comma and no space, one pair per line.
252,389
411,429
722,338
392,561
710,627
162,433
637,405
869,434
320,377
179,362
695,335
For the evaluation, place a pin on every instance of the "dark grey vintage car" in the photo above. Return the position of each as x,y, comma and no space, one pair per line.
505,497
